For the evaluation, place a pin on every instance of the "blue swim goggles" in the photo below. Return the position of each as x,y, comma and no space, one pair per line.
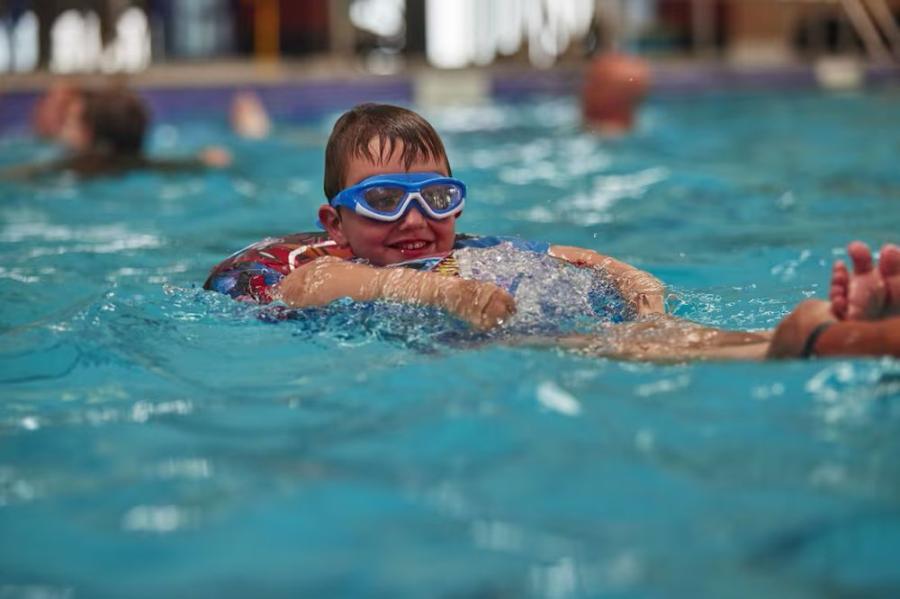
388,197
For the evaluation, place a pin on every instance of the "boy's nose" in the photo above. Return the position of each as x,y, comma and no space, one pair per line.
414,217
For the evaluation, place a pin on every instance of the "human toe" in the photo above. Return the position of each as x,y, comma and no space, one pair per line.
889,260
837,293
861,256
889,267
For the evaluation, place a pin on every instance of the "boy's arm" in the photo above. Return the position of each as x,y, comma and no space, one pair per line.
483,305
641,289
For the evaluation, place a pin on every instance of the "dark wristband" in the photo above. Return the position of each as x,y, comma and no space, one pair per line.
809,348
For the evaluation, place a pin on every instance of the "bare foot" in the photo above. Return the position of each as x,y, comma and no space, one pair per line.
889,268
866,290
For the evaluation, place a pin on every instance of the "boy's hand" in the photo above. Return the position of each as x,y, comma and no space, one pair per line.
641,289
482,305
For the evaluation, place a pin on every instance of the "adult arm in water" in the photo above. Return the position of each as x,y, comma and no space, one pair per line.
483,305
793,337
862,318
641,289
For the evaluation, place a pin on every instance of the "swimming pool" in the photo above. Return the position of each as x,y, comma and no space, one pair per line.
158,440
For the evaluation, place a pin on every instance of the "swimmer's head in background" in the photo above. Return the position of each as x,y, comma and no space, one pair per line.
51,108
110,121
389,127
387,197
614,87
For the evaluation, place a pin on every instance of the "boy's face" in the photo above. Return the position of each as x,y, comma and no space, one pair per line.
411,237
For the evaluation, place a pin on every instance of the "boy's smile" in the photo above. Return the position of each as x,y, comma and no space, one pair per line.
411,237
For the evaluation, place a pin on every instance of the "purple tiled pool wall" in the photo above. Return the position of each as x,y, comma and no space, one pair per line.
15,110
297,101
676,79
292,101
288,101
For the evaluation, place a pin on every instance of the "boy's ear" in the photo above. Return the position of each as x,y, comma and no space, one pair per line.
331,220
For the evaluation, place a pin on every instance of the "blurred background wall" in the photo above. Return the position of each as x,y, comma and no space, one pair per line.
383,36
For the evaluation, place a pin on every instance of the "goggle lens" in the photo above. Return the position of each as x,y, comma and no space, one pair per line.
441,197
384,198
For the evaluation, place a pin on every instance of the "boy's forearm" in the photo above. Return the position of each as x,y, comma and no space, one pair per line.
326,280
638,287
483,305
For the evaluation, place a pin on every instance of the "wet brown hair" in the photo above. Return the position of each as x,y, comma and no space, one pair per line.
117,119
357,127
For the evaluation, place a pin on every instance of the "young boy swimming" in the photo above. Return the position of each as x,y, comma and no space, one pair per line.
392,201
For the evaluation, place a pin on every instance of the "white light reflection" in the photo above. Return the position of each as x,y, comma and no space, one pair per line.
448,41
190,468
5,57
787,271
663,386
155,518
557,580
30,423
764,392
19,45
14,490
34,591
466,32
506,537
137,242
828,475
130,50
509,32
592,207
500,536
76,44
844,391
17,274
556,399
645,440
381,17
144,410
624,570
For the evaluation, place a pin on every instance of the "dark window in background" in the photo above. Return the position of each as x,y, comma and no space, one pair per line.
415,28
304,27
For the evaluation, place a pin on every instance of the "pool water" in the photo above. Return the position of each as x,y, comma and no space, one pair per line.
159,440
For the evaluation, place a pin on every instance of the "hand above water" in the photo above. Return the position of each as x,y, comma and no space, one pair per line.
482,305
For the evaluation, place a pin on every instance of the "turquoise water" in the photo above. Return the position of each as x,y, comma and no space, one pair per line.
157,440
